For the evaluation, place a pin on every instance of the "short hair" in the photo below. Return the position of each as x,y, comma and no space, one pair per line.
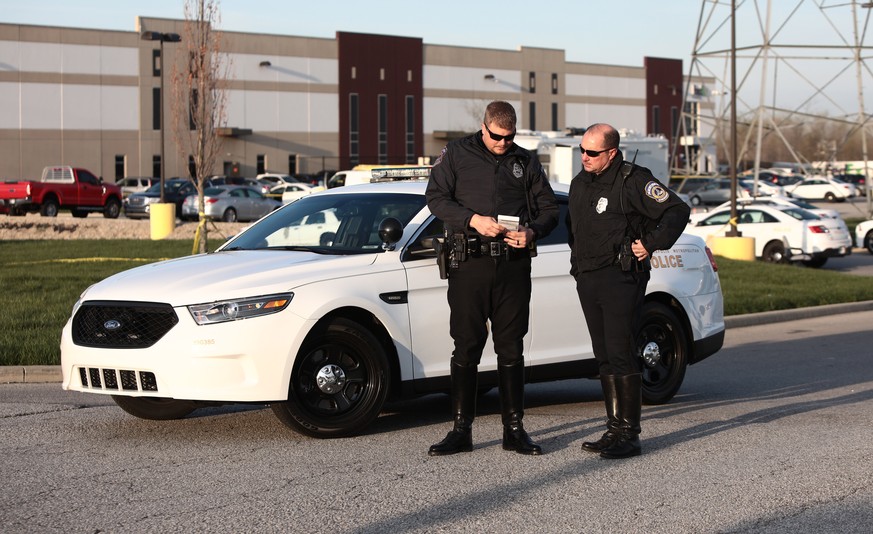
611,137
500,113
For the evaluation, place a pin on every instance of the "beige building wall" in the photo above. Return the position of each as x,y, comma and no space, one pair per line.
85,97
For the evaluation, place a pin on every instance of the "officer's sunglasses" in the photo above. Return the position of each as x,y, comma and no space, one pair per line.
498,137
594,153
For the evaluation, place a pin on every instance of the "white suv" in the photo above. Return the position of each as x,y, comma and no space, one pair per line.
328,325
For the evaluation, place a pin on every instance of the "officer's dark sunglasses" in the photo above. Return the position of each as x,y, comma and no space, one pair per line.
594,153
499,138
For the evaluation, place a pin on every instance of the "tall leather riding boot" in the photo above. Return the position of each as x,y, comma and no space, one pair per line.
629,391
464,386
511,381
610,398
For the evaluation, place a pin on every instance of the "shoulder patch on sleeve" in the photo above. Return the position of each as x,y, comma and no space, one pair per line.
656,192
440,157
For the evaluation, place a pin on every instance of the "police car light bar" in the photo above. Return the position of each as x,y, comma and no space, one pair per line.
398,174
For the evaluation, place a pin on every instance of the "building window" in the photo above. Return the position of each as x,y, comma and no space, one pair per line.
656,119
554,116
410,129
119,166
554,83
192,167
674,120
354,125
292,163
156,108
383,129
532,82
156,166
156,62
532,115
261,164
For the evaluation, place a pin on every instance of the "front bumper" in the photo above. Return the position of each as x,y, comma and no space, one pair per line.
230,362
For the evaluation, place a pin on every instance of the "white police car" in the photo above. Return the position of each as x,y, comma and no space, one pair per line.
327,328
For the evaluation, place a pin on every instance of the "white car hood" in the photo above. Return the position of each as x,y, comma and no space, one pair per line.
233,274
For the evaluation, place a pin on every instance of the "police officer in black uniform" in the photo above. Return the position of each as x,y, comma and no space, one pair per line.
475,180
619,214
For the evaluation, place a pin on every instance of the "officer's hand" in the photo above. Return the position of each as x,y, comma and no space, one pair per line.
519,239
639,250
486,226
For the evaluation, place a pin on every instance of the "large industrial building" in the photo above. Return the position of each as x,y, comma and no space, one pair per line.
93,98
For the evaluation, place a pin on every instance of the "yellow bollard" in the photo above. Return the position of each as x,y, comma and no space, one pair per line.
163,219
735,248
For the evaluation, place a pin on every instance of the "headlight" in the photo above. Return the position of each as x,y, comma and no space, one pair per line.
235,310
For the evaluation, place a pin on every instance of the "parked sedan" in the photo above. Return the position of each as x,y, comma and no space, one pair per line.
864,235
135,184
822,188
230,203
764,188
138,205
782,233
327,330
716,191
290,192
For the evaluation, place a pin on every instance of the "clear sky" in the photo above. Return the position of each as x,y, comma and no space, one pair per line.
616,32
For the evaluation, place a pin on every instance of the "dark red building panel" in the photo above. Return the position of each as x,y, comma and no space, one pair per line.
370,67
663,95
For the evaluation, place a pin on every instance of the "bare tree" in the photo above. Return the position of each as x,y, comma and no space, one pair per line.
200,81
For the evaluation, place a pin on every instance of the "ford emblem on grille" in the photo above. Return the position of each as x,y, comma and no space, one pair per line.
111,324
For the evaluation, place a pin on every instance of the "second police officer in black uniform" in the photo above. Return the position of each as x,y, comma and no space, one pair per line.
475,180
619,214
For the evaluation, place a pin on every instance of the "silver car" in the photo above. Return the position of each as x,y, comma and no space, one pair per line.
230,203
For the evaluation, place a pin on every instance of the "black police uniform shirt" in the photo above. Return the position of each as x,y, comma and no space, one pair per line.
468,179
597,220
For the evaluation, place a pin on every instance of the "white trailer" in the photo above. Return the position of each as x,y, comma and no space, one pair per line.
561,156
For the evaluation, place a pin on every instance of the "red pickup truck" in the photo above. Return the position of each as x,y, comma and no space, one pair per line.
59,188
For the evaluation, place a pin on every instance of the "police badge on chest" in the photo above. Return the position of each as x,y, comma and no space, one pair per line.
601,205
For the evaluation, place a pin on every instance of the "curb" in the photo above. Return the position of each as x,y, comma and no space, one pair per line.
42,374
30,374
779,316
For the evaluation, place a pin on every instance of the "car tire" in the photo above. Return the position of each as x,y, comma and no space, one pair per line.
774,252
326,239
229,215
662,330
868,242
695,201
112,209
155,408
49,208
830,197
330,410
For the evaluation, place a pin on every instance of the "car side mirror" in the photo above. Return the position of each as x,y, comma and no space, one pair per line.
390,232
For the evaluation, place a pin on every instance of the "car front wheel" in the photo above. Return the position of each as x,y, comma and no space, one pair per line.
339,382
695,201
774,252
868,242
663,347
155,408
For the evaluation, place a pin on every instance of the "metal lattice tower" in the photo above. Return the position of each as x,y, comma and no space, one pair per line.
801,68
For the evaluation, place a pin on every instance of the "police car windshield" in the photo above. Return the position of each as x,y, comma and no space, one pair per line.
332,224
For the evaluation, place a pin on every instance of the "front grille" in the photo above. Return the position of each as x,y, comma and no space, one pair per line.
122,325
117,379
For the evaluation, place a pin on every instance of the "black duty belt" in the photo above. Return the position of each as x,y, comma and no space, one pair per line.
491,248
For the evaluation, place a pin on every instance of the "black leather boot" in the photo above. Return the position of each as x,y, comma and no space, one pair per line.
460,438
629,391
511,382
610,398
